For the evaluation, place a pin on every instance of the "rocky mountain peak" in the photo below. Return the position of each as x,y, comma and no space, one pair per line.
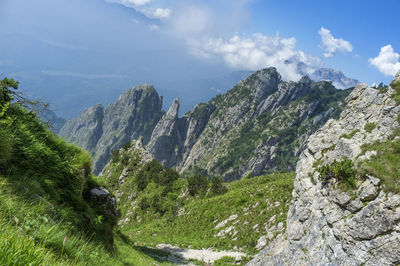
262,82
134,114
305,81
174,109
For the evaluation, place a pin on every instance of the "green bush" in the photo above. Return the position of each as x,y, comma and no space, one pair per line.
197,185
369,127
217,187
7,91
115,156
144,204
127,145
343,171
151,171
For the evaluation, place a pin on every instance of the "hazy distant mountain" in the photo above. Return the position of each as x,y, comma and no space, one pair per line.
339,80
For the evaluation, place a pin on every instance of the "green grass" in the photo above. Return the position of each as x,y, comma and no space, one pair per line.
46,214
251,199
369,127
342,170
385,164
351,134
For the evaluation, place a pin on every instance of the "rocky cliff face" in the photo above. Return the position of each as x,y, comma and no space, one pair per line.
259,126
49,117
86,129
100,131
329,226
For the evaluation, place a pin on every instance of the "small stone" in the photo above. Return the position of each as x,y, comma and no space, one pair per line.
280,226
374,180
369,191
354,205
262,241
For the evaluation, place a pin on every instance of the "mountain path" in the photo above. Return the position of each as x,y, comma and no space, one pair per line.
181,256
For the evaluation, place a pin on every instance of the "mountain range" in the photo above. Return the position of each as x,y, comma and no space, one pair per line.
259,126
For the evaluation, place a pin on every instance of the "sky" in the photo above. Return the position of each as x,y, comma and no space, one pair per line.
75,53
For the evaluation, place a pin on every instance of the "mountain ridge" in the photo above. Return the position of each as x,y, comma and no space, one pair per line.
249,110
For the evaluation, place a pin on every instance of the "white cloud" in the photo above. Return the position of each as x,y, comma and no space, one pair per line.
144,7
260,51
130,3
154,27
155,13
387,61
162,13
332,45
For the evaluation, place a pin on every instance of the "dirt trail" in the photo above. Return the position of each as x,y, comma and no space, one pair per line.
182,255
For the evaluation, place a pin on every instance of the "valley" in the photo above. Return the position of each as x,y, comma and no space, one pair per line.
218,185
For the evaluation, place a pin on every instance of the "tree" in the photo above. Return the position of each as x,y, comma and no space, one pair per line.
217,187
7,90
197,185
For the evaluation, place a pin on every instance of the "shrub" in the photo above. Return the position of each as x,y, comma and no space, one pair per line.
351,134
125,160
343,171
6,90
127,145
369,127
144,204
115,156
197,185
217,187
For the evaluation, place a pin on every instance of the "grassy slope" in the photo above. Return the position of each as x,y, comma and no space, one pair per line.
30,234
385,164
171,215
252,200
46,217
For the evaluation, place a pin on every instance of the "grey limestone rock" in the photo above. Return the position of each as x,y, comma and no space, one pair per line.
86,129
326,226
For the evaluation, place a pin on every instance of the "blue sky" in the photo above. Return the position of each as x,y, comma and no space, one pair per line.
368,25
76,53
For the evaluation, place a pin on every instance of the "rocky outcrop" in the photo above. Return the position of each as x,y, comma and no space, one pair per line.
173,137
100,131
254,127
102,197
327,226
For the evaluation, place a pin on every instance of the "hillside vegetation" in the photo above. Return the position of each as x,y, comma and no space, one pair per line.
46,214
158,206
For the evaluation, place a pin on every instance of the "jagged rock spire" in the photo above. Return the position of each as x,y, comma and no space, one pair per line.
174,108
